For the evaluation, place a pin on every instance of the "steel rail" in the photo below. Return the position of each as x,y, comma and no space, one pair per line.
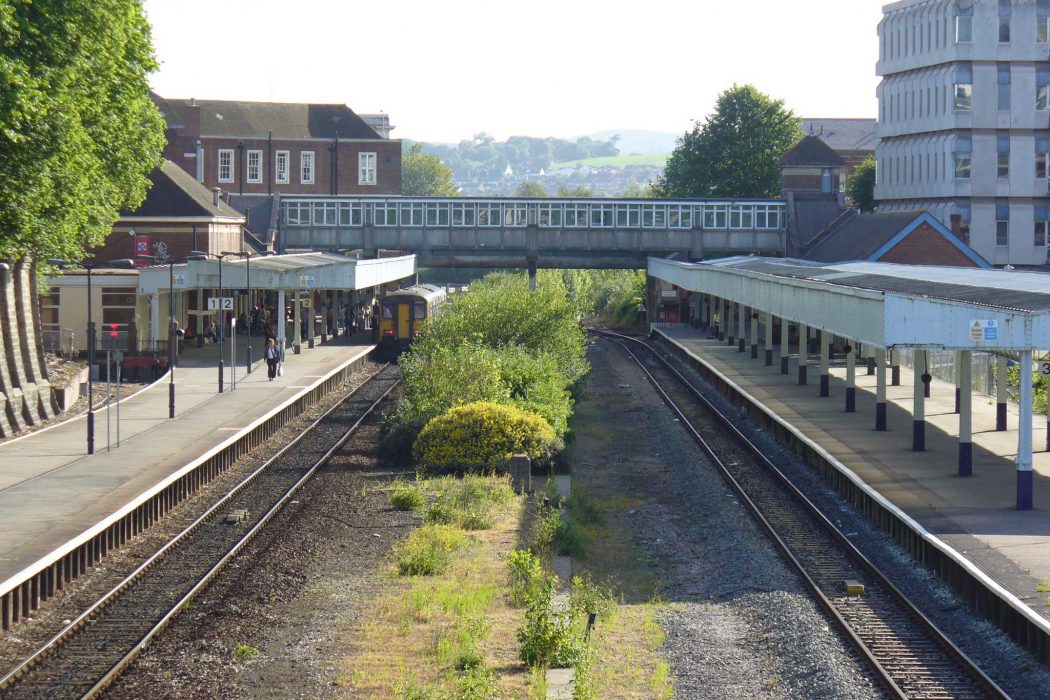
967,665
56,642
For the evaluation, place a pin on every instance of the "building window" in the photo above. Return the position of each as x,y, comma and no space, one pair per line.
1002,150
1042,217
1042,89
254,166
306,167
963,87
118,306
964,23
1004,87
963,210
1002,223
963,150
1042,156
225,165
281,169
1042,24
366,168
1005,7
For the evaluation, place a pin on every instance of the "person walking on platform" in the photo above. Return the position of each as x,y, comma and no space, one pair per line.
273,356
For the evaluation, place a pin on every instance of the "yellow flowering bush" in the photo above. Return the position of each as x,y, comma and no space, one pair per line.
482,435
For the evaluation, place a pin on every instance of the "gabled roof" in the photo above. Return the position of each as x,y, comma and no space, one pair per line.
870,236
810,214
175,193
236,119
811,150
844,134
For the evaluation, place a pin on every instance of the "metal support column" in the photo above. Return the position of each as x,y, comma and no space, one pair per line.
297,323
752,332
918,423
825,363
803,351
785,347
965,377
880,389
851,379
282,337
741,330
1024,435
1001,393
769,339
895,367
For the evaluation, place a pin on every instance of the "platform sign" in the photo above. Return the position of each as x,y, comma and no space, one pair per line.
981,330
220,304
178,279
1044,369
306,281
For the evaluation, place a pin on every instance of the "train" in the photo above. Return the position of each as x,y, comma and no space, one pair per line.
403,315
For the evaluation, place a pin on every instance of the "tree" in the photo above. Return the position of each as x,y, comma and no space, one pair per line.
736,151
530,188
78,130
636,191
579,191
425,176
861,185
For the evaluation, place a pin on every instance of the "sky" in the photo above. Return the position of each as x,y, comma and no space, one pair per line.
447,70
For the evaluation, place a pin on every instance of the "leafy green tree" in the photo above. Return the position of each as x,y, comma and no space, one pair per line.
530,188
423,175
736,151
861,185
636,191
78,130
579,191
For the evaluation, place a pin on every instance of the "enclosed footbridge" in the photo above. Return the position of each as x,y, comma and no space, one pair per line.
533,232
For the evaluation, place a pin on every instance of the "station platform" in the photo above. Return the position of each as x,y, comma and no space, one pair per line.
976,515
52,491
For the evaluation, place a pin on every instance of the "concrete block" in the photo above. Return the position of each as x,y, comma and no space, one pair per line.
520,468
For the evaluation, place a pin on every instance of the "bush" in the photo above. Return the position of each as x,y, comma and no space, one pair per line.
407,496
395,441
546,637
481,436
526,573
428,550
442,513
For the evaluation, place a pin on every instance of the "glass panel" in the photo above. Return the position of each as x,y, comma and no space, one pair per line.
419,309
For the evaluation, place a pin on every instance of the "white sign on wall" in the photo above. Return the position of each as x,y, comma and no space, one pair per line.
226,304
306,281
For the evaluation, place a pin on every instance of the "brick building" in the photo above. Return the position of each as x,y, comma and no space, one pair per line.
261,148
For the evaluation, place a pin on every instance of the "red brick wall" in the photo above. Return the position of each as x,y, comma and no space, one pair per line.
179,238
924,246
388,164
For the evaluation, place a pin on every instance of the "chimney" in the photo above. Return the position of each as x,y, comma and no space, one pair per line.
956,225
216,195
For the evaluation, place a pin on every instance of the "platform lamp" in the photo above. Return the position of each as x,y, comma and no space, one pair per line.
248,273
122,264
173,339
201,255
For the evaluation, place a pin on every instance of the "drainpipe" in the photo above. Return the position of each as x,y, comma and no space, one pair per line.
335,165
269,162
240,156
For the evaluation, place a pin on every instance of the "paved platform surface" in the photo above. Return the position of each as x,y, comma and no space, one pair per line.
51,490
975,515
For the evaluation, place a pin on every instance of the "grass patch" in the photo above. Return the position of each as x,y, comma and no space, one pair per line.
428,550
651,159
1042,587
405,496
245,652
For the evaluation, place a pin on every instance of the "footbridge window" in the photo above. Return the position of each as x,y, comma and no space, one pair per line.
351,214
437,214
576,215
385,214
297,213
463,214
716,216
741,216
602,216
654,216
629,215
550,216
412,214
515,215
489,215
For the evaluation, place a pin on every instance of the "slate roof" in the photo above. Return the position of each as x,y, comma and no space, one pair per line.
176,193
810,215
844,134
260,210
859,236
235,119
811,150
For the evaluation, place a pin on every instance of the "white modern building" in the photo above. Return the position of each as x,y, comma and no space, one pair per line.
964,120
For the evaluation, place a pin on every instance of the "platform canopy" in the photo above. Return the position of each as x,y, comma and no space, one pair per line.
882,304
326,271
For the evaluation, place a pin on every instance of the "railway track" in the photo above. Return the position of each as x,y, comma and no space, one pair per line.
90,653
905,650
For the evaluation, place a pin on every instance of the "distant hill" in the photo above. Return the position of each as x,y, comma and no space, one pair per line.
638,141
658,160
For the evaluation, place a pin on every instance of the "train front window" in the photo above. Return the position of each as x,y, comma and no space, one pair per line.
420,310
388,312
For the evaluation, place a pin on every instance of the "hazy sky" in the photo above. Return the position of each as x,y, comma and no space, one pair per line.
447,70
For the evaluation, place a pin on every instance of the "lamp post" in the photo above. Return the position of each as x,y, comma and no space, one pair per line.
201,255
124,264
172,337
248,275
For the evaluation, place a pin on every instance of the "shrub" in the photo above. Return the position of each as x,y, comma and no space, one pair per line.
480,436
477,519
395,441
526,573
428,550
442,512
407,496
245,652
585,597
546,637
